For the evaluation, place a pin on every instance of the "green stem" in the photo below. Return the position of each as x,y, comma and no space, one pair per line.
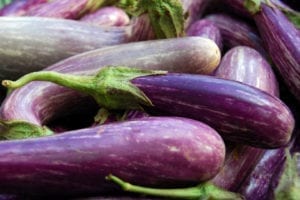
202,191
81,83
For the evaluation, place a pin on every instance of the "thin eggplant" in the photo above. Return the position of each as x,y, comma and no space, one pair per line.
67,9
246,65
154,151
240,113
108,16
36,43
19,7
236,32
282,40
188,54
207,29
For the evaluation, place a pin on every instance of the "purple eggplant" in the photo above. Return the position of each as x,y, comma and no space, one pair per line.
239,112
68,9
108,16
154,151
236,32
207,29
19,7
246,65
282,40
188,54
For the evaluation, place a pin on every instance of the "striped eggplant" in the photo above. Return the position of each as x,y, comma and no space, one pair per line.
207,29
239,112
19,7
236,32
246,65
108,16
282,41
153,151
188,54
36,43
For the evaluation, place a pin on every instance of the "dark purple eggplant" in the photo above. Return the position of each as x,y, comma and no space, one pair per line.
246,65
282,40
207,29
153,151
236,32
108,16
19,7
68,9
188,54
239,112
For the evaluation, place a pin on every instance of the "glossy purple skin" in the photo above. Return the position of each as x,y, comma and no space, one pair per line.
154,151
239,112
257,184
67,9
36,43
282,40
246,65
38,102
236,32
19,7
207,29
107,16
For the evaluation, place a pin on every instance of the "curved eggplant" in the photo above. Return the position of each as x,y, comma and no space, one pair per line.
148,151
19,7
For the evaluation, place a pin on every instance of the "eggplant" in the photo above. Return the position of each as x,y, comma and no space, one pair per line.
236,32
247,65
109,16
19,7
148,151
239,112
67,9
188,54
37,42
282,40
207,29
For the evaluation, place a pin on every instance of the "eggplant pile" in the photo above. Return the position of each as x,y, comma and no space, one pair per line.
140,100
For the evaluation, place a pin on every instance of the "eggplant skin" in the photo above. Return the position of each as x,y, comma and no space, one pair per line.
239,112
153,151
246,65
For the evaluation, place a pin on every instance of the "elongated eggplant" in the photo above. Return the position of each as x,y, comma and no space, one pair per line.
239,112
157,151
67,9
236,32
36,43
246,65
109,15
207,29
188,54
19,7
282,40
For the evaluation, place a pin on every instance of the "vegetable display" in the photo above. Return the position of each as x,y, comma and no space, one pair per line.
149,99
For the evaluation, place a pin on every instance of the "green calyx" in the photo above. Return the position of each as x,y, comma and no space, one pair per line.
166,16
17,129
289,182
253,6
93,5
110,87
204,190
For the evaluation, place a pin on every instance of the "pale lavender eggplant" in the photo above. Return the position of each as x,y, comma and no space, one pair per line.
68,9
245,64
107,16
236,32
19,7
39,102
154,151
35,43
282,41
207,29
